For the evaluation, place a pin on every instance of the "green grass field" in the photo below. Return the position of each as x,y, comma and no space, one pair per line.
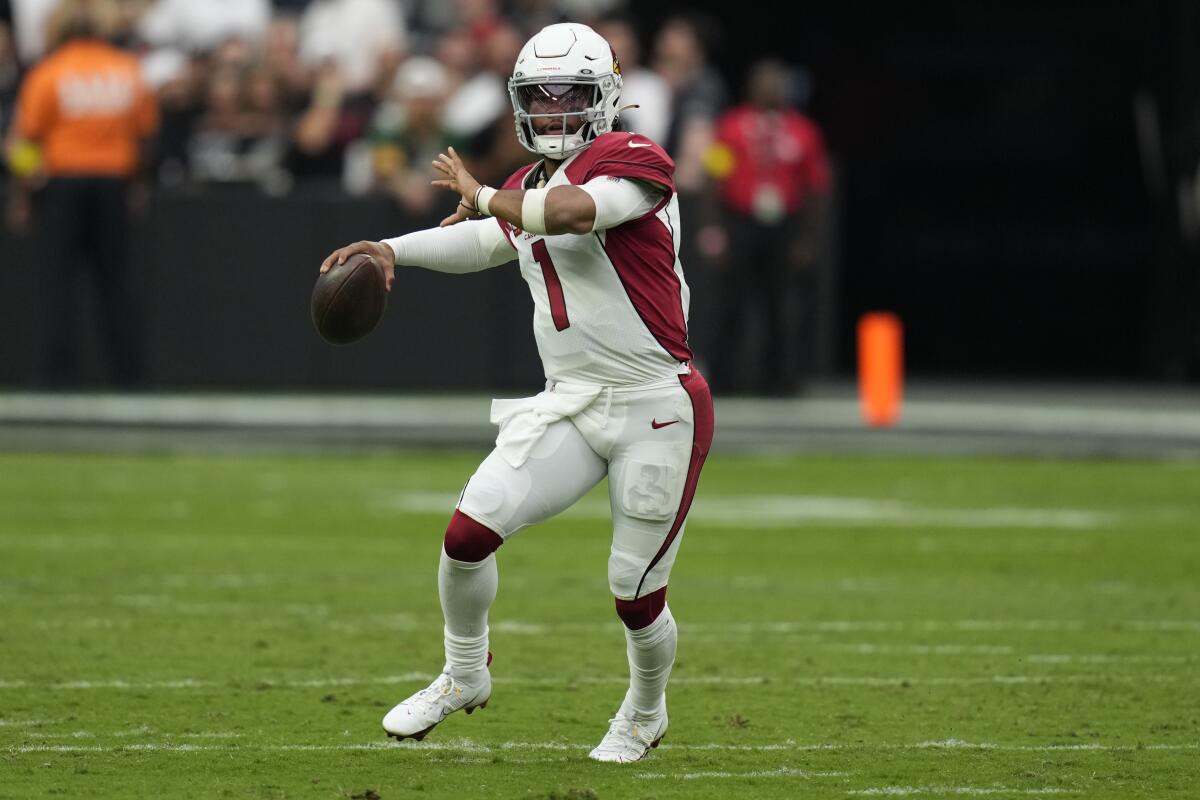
850,627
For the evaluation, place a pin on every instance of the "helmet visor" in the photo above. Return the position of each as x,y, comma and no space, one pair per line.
555,98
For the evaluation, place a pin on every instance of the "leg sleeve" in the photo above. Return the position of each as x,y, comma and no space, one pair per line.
561,468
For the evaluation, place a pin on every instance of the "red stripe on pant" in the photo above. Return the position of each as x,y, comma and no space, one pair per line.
702,433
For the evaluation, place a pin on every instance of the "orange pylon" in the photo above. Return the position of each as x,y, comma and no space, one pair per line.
880,367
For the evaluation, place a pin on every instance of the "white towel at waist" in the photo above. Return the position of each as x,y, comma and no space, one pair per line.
522,422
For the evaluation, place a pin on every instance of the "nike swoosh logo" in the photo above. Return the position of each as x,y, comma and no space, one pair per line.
656,424
641,144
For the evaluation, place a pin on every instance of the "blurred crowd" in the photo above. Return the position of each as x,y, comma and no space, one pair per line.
361,95
360,92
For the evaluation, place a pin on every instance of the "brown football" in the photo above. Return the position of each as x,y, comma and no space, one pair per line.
349,300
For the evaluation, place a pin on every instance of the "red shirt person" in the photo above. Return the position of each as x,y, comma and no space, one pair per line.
773,176
773,158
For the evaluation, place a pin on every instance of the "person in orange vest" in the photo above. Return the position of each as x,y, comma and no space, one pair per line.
83,117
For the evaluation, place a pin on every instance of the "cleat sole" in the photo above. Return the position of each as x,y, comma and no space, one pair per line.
471,710
400,737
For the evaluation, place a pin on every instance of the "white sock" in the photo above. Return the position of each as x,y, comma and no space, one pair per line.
651,652
466,589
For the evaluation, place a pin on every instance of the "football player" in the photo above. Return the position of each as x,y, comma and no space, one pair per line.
594,225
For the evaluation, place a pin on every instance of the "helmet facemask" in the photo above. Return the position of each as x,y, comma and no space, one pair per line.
584,105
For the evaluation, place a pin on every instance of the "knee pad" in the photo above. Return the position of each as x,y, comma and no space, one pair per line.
467,540
637,614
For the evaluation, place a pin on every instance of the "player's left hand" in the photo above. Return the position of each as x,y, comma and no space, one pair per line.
456,178
461,214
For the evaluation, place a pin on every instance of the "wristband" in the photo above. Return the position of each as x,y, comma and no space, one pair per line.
483,196
533,211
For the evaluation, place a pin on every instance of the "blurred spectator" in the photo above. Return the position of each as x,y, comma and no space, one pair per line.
30,18
428,21
364,39
479,113
407,134
480,19
240,137
125,29
681,59
82,115
281,55
201,26
333,119
178,83
640,86
537,14
773,177
457,54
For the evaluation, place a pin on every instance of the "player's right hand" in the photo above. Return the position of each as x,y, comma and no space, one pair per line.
379,251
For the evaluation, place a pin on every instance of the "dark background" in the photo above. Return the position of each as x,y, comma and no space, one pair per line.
995,189
995,192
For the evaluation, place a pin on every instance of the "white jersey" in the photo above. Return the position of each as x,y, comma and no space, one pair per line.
610,307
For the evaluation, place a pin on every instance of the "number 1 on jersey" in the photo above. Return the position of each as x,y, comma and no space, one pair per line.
558,302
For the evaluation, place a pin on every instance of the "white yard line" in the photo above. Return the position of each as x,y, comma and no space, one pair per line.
789,510
535,628
906,791
464,745
193,683
781,772
869,648
1106,658
679,680
184,683
521,627
958,744
138,732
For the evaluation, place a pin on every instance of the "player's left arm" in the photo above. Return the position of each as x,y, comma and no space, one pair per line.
603,202
559,209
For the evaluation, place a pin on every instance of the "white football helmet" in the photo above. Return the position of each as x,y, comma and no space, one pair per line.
567,70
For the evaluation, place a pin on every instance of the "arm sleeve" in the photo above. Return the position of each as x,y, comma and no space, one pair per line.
469,246
621,200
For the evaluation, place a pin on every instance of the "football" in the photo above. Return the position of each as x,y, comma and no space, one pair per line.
349,300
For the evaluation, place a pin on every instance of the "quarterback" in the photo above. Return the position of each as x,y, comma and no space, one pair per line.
594,225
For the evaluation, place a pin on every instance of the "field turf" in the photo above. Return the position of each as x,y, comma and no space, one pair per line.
850,627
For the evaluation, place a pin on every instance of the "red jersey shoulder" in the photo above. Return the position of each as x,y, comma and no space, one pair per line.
623,155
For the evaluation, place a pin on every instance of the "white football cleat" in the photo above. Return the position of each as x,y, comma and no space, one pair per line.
630,736
421,713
